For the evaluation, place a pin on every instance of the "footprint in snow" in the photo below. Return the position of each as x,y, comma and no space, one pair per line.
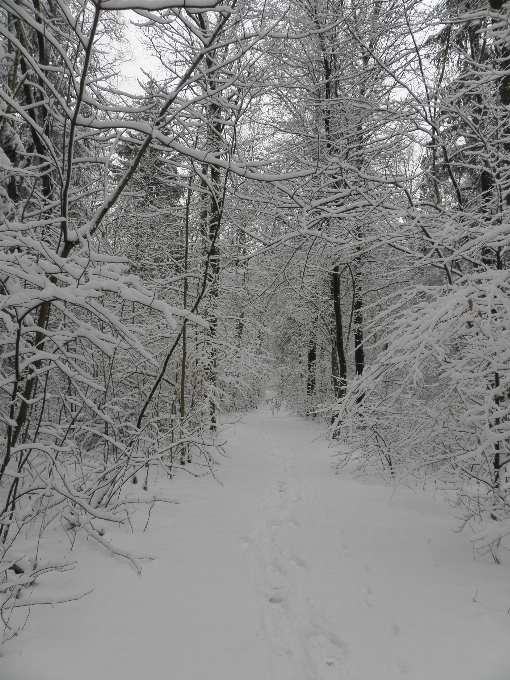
277,604
327,650
403,667
297,562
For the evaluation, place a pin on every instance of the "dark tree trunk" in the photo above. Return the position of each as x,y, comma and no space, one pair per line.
312,359
339,362
359,350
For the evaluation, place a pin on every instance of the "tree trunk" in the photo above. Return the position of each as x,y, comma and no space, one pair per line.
311,366
359,350
340,375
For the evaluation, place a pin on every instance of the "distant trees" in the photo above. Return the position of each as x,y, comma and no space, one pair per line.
340,110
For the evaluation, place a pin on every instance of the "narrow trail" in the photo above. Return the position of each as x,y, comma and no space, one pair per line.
279,574
282,571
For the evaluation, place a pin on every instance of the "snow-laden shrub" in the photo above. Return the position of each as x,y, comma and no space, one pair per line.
436,402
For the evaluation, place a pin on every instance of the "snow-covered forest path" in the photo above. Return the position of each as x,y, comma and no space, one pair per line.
285,571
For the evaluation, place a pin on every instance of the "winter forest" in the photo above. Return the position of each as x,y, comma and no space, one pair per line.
286,242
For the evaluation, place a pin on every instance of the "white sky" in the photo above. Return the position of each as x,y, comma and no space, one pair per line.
137,57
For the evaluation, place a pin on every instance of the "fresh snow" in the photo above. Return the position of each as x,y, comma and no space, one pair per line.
278,569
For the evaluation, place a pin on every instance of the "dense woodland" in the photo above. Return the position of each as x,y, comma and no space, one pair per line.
310,195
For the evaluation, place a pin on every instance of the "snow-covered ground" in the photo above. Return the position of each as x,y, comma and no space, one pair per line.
284,571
